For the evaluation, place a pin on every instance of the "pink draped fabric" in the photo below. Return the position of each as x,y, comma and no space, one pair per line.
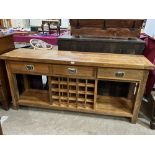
149,53
51,38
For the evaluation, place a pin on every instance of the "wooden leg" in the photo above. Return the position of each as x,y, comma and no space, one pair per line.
13,86
152,102
4,95
15,107
1,132
5,105
138,99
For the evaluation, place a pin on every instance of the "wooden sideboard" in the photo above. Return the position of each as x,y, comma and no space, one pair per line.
6,44
74,80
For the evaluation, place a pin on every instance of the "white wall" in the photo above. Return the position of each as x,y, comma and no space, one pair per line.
26,23
35,22
65,23
21,23
150,27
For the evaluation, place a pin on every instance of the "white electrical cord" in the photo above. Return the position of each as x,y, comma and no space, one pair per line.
3,119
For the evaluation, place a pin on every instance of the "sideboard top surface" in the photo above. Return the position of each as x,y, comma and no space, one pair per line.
79,58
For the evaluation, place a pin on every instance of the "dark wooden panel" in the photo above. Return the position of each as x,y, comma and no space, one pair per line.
102,45
108,23
106,27
6,44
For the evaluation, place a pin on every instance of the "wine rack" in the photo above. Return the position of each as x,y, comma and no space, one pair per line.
66,91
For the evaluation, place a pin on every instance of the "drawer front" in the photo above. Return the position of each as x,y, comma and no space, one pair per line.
126,74
74,71
29,68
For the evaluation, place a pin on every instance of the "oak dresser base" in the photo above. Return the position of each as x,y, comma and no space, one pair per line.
74,79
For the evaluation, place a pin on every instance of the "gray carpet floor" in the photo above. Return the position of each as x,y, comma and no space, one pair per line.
35,121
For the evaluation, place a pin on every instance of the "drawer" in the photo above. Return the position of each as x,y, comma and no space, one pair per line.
29,68
74,71
126,74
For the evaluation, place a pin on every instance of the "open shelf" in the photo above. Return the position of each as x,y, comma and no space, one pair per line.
34,96
79,96
114,105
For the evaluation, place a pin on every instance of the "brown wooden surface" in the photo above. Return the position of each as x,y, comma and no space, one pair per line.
122,106
109,32
107,23
129,28
79,58
1,23
6,44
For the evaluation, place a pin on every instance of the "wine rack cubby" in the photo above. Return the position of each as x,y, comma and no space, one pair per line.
66,91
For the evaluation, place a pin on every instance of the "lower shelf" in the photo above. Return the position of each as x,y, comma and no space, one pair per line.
34,96
114,105
105,105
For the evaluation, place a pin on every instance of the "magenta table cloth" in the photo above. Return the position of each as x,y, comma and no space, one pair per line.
51,38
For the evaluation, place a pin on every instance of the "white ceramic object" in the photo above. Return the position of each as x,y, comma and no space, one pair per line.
39,44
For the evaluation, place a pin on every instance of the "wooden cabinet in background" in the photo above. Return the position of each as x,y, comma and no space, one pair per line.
103,35
5,23
128,28
6,44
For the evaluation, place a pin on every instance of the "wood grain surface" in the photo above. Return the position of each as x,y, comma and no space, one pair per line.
80,58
